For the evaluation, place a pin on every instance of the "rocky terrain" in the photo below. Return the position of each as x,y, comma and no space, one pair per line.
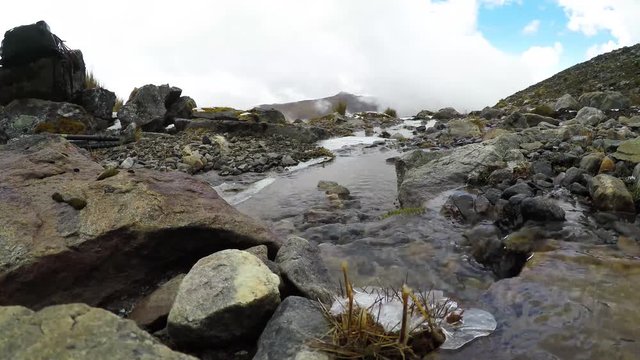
110,248
309,109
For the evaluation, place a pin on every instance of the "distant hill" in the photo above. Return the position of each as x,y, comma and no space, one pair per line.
307,109
618,70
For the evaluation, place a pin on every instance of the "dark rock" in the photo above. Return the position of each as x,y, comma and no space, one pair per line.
461,205
520,188
301,265
98,102
447,114
566,102
515,120
490,113
148,104
535,119
295,324
493,195
269,116
574,175
542,167
181,108
424,114
578,189
591,163
29,116
136,228
541,209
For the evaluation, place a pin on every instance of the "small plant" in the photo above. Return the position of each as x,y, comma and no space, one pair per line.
358,332
319,152
391,112
340,108
480,123
118,105
90,81
404,211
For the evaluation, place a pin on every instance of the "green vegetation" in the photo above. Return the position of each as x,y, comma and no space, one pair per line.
319,152
391,112
340,108
118,105
90,81
404,211
61,126
217,109
356,334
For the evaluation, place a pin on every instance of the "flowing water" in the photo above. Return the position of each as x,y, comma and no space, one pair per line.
579,300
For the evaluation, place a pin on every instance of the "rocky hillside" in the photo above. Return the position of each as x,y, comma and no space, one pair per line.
308,109
618,70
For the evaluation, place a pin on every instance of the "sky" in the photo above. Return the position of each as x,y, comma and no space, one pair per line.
409,54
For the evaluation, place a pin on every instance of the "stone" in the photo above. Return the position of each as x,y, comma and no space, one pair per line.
447,113
227,296
609,193
137,227
541,209
181,108
463,128
269,116
76,331
301,265
500,175
423,115
460,205
520,188
287,160
566,102
573,175
29,116
605,100
151,312
515,120
531,146
333,188
591,162
295,324
542,167
607,166
489,113
629,150
590,116
127,163
98,102
536,119
148,104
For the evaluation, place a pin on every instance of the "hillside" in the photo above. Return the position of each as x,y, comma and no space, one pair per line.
618,70
307,109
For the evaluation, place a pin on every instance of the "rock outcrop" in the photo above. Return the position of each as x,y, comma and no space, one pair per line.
136,227
148,105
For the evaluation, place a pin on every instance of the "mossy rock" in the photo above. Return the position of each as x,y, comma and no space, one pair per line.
61,126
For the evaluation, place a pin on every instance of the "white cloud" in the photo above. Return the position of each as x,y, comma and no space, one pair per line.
618,17
532,27
497,3
411,54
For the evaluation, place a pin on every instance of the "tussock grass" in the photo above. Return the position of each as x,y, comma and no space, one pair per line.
391,112
340,108
91,82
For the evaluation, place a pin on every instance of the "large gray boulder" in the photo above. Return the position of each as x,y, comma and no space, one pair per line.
566,102
152,311
148,104
134,230
295,324
629,150
98,102
609,193
182,108
432,175
28,116
605,100
269,116
590,116
300,263
75,331
447,113
226,296
464,128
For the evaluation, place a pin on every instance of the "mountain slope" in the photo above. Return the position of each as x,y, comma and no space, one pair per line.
618,70
307,109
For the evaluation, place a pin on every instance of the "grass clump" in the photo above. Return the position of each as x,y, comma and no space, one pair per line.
90,81
404,211
340,108
357,332
217,109
118,105
319,152
391,112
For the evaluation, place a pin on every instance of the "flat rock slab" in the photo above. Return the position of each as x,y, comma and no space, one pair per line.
137,226
75,331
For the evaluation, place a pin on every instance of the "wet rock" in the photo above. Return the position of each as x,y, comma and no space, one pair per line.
542,167
301,265
148,104
151,312
590,116
75,331
333,188
319,216
98,102
29,116
629,151
541,209
287,160
446,114
591,163
605,100
226,296
136,226
521,188
295,324
574,175
488,249
461,205
566,102
578,189
610,194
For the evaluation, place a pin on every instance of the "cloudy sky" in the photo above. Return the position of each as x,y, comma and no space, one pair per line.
410,54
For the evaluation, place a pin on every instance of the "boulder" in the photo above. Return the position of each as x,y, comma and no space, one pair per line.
225,297
591,162
605,100
268,116
515,120
490,113
590,116
423,115
301,265
136,228
566,102
541,209
464,128
29,116
295,324
535,119
76,331
609,193
333,188
426,176
148,104
98,102
181,108
521,188
152,311
447,113
629,151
